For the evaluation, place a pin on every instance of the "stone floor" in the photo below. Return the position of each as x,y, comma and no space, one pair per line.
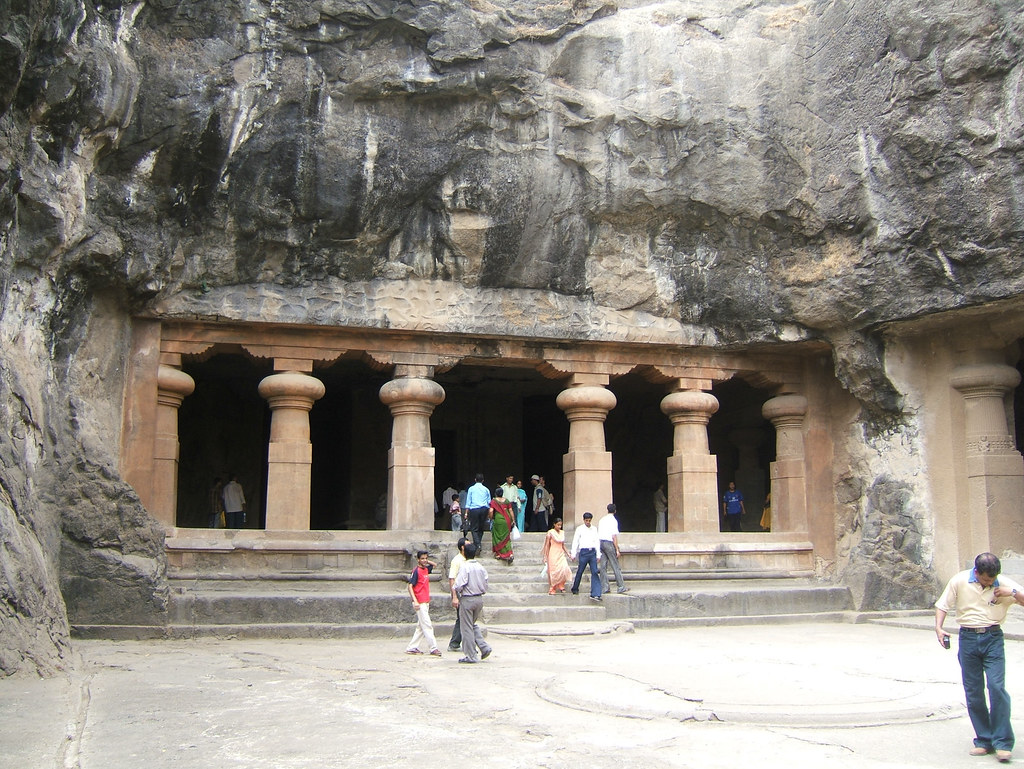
821,694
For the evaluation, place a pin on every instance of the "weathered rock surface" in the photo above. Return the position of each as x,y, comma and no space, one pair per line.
736,172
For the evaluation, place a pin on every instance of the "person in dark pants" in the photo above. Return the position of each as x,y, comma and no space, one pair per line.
478,502
732,507
586,545
981,598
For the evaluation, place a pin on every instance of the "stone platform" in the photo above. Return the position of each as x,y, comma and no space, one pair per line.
352,585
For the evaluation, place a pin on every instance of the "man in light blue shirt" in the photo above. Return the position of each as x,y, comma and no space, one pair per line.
478,501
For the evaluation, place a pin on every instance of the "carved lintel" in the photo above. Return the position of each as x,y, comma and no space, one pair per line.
292,352
558,364
182,347
384,359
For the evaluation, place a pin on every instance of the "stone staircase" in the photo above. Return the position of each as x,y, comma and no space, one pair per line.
239,598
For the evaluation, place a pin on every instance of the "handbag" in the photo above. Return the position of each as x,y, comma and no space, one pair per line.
515,533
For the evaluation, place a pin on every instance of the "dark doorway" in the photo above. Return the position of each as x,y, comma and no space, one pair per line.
351,433
639,436
744,443
223,427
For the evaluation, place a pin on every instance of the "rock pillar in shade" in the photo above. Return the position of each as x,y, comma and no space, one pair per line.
995,469
411,400
587,467
692,469
291,395
788,471
172,387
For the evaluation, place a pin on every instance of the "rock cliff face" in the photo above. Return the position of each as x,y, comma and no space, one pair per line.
762,171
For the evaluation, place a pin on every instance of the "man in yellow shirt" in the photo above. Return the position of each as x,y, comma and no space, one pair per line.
981,598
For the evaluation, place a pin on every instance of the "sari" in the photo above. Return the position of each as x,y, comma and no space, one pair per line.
556,560
501,529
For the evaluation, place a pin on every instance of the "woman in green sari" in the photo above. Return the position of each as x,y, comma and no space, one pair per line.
502,518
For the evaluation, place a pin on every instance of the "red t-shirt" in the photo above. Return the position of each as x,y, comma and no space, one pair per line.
420,581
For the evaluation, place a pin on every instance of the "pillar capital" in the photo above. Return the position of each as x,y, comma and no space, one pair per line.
787,409
291,389
584,398
984,379
412,391
689,406
172,386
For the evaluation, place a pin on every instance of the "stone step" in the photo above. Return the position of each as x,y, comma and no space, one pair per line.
323,604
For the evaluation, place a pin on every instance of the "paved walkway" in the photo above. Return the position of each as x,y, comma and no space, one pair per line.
755,696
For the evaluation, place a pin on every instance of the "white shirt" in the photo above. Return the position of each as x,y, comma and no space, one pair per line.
585,536
234,499
608,528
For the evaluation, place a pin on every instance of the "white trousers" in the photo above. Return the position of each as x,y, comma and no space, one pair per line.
424,629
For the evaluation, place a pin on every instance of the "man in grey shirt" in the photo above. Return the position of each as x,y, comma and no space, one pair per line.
471,585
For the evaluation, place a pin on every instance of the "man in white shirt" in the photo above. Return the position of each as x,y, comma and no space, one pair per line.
586,544
453,571
234,504
608,533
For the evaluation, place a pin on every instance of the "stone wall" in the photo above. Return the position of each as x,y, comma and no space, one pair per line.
729,173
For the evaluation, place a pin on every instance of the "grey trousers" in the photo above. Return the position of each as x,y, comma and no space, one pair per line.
473,643
608,556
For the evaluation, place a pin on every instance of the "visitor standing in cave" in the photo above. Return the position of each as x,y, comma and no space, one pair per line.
217,503
732,507
542,503
234,504
981,598
660,509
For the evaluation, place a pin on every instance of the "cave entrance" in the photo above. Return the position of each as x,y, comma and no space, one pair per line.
223,429
497,420
744,443
639,436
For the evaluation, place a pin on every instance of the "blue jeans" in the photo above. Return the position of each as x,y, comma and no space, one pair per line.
588,555
982,661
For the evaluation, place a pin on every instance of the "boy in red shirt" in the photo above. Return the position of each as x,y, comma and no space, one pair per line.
419,591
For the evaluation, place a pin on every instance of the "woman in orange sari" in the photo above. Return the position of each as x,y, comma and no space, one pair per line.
502,518
556,558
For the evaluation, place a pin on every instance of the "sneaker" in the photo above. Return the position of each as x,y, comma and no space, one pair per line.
624,590
979,751
1004,756
435,652
575,592
413,651
596,598
454,648
467,660
486,654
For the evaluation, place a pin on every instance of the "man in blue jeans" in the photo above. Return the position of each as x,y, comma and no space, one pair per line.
586,543
981,598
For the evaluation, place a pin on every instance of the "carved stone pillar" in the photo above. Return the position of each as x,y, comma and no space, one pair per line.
788,471
587,467
995,469
692,469
291,395
172,387
412,400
